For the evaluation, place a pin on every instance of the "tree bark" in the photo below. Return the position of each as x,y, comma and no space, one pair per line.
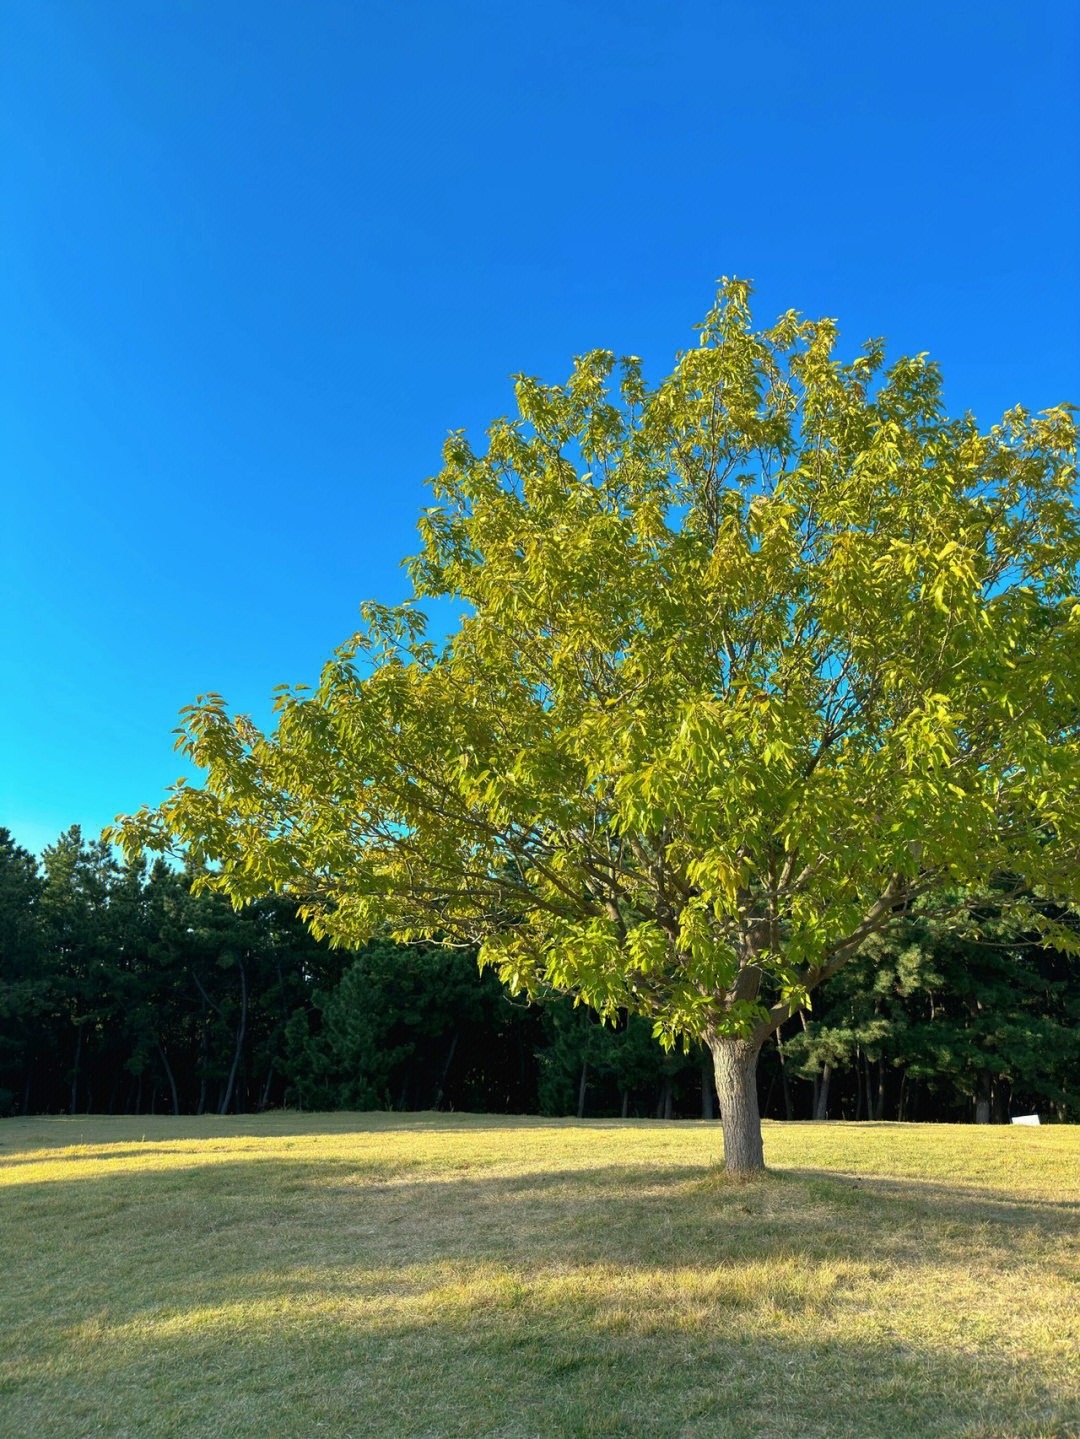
735,1067
75,1070
445,1071
264,1098
275,1038
789,1107
984,1101
206,1001
707,1106
821,1107
879,1103
227,1100
581,1089
204,1057
789,1103
769,1093
169,1073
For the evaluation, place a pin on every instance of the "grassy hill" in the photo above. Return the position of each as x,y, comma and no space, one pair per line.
457,1275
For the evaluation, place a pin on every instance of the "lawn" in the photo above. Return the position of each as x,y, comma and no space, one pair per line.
458,1275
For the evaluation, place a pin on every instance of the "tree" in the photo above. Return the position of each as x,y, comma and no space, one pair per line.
750,661
583,1058
999,1014
79,876
410,1027
26,991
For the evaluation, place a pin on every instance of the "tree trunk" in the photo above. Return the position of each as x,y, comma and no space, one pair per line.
735,1066
707,1107
75,1069
821,1107
769,1093
275,1040
446,1070
581,1089
227,1100
625,1103
171,1076
982,1104
789,1104
879,1103
204,1051
264,1098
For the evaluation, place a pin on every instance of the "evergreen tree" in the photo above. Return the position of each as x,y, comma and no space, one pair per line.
969,1017
26,992
74,911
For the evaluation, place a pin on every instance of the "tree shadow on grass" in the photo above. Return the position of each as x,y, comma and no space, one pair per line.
620,1207
606,1300
44,1132
975,1203
545,1373
383,1213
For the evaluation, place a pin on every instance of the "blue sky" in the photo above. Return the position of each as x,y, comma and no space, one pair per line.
257,260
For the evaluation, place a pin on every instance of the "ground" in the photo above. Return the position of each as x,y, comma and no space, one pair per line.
456,1275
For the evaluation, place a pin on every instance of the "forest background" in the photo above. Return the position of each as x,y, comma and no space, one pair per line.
123,993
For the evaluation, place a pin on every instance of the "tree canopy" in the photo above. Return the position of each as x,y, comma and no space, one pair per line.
750,661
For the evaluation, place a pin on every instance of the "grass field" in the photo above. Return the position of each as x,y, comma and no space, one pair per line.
348,1275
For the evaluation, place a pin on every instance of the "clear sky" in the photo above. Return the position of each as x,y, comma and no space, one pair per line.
256,261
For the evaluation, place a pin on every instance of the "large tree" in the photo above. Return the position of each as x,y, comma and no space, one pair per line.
748,661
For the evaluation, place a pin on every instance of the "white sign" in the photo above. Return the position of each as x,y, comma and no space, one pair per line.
1025,1119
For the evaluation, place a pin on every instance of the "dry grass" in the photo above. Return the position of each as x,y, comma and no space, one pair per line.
349,1275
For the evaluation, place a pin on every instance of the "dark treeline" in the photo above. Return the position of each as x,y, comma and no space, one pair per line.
123,993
